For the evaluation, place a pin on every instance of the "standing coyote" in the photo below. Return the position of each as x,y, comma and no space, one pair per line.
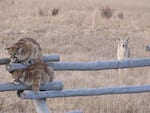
26,51
34,75
123,51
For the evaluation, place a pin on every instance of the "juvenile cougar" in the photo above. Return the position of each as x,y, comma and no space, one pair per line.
34,75
26,51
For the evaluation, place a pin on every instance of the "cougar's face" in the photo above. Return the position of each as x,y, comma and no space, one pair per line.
18,76
15,52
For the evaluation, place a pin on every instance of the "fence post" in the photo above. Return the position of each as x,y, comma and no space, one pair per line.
40,105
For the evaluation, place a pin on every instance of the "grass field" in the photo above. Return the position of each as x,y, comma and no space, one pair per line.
79,33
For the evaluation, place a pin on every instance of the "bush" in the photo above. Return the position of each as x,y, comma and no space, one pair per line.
55,12
106,12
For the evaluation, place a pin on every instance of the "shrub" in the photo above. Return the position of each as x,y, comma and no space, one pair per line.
106,12
55,12
41,12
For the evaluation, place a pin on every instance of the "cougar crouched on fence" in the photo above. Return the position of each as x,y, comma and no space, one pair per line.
34,75
28,51
25,51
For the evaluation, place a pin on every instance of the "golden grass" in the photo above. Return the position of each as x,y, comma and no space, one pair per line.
71,35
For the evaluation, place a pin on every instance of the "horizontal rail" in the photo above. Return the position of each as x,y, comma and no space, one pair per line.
48,58
4,61
51,58
56,85
83,66
86,92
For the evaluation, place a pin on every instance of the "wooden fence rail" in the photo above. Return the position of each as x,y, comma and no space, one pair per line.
39,101
48,58
86,92
56,85
90,66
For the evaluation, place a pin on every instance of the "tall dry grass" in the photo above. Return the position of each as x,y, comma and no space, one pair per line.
70,35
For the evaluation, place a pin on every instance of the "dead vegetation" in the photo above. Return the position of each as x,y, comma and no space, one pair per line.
55,12
22,106
106,12
1,103
43,12
120,15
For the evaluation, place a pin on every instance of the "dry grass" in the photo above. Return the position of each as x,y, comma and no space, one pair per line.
2,103
69,34
42,12
120,15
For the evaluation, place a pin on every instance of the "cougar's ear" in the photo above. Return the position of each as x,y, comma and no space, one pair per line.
23,73
7,49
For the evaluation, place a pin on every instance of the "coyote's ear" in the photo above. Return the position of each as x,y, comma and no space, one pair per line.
7,48
127,38
118,40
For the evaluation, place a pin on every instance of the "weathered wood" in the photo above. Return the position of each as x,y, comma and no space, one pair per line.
48,58
4,61
40,105
86,92
14,66
51,58
101,65
90,66
56,85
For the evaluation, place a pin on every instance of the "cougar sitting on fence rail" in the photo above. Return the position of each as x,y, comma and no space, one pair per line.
26,51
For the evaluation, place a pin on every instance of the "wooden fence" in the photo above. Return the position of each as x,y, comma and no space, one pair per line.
55,89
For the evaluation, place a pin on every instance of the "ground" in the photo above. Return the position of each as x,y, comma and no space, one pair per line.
79,33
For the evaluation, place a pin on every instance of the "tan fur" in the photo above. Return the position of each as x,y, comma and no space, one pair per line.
123,51
26,51
34,75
